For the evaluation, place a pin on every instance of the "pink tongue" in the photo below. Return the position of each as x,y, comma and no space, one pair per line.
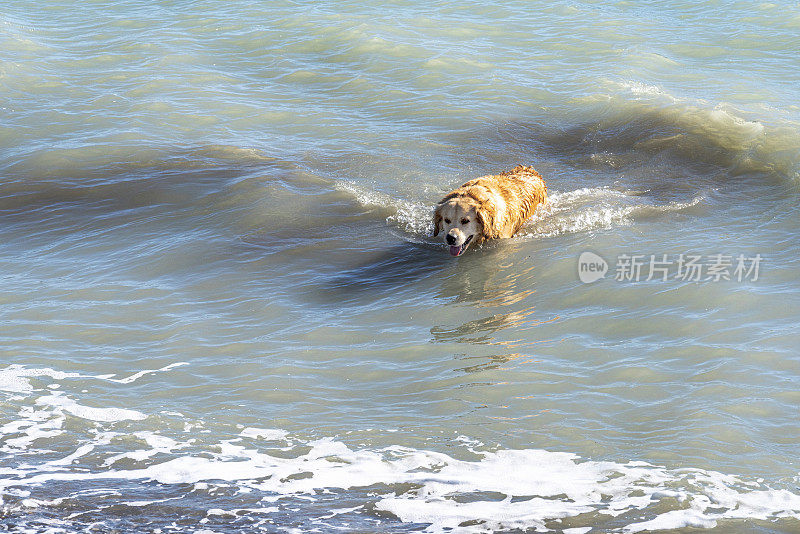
455,251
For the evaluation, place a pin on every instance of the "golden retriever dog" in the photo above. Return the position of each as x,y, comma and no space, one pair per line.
489,207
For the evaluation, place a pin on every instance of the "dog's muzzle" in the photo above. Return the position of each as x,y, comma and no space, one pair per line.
458,250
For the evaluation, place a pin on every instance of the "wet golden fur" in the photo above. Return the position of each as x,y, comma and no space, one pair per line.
502,202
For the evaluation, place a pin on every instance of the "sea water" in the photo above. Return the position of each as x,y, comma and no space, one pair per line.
222,309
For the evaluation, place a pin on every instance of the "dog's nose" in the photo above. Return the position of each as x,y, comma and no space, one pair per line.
451,239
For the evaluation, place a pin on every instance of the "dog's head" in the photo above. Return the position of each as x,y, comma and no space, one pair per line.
462,221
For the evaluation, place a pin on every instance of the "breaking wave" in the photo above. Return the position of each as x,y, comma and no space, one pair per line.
566,212
256,478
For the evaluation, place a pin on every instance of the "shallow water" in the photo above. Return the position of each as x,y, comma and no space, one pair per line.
223,310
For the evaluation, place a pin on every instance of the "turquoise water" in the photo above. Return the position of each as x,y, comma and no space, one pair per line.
222,309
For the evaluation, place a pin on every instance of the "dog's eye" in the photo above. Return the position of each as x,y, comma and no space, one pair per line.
447,221
464,221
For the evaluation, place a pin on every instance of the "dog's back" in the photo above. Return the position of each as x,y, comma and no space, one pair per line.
509,198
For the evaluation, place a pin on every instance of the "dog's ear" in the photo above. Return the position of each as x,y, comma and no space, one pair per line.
437,221
486,215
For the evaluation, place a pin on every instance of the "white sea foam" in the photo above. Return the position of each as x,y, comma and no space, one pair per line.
81,451
494,490
565,212
504,489
268,434
413,218
66,404
15,378
32,425
236,512
594,208
639,88
45,416
140,374
158,445
364,196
